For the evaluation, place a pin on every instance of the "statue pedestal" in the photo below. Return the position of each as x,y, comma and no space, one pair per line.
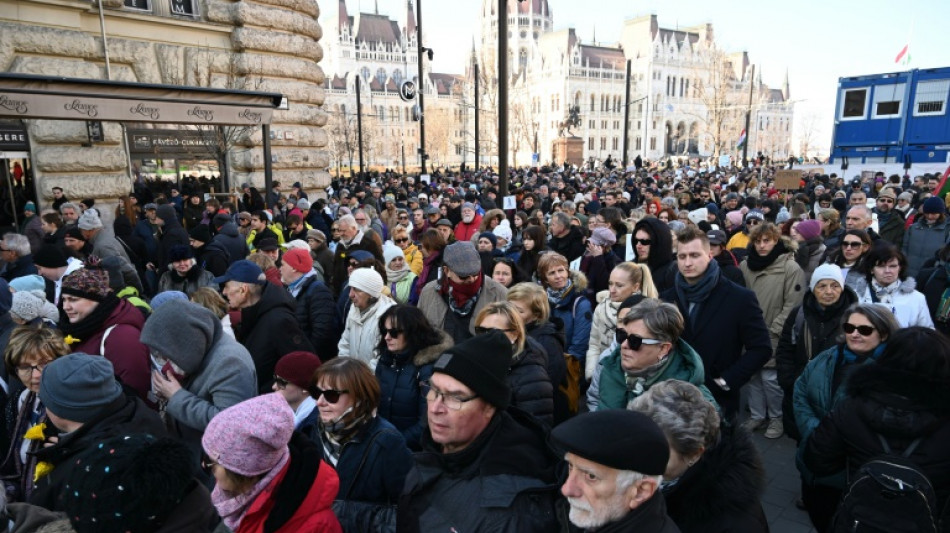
569,150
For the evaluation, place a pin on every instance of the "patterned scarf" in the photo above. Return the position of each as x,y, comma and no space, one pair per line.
557,296
462,297
637,379
885,295
232,506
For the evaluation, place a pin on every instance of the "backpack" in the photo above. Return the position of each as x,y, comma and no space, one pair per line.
889,494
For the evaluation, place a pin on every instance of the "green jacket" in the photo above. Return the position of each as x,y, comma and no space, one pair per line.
683,363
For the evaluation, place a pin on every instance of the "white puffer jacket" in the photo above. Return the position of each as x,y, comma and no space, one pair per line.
361,333
602,331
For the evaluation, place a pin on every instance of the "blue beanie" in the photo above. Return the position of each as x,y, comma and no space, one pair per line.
78,386
164,297
934,205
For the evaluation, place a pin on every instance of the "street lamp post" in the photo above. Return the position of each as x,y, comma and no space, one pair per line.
503,97
626,117
477,151
359,123
421,88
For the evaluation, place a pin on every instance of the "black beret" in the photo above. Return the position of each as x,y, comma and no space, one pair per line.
616,438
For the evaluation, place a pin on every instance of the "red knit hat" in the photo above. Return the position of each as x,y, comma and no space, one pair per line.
298,368
298,259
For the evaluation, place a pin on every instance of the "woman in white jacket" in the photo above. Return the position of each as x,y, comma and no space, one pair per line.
888,285
626,279
361,333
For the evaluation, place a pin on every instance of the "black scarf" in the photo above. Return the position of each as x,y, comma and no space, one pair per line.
758,262
87,327
698,292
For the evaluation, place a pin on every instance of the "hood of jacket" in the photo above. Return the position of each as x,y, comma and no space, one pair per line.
661,250
429,354
726,482
229,229
125,313
553,328
272,297
183,333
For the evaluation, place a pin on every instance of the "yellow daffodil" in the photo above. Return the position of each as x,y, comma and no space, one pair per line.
36,432
70,339
42,468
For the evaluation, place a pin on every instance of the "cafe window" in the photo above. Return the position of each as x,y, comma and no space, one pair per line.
185,8
138,5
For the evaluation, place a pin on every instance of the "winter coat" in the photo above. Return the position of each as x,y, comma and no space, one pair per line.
898,405
936,281
598,269
603,329
575,312
504,481
809,256
373,464
129,357
33,229
729,266
401,399
230,239
219,372
908,305
214,258
22,266
464,232
360,242
731,337
104,244
683,363
531,388
793,354
892,231
922,241
570,246
721,492
125,415
435,307
550,335
269,330
193,280
413,256
661,263
778,288
299,499
317,317
172,235
361,332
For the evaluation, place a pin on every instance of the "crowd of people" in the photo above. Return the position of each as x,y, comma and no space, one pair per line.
405,355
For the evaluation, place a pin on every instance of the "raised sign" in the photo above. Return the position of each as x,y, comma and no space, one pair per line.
788,180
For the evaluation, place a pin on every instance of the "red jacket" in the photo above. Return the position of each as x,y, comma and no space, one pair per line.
128,356
465,232
314,513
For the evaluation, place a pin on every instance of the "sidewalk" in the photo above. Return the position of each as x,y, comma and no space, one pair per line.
783,486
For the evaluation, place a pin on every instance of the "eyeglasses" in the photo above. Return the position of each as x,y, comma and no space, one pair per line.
354,264
864,331
851,244
392,332
634,341
402,240
330,395
403,217
454,402
281,382
27,370
207,463
643,242
481,330
753,222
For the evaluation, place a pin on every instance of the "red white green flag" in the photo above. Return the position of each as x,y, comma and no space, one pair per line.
742,139
903,57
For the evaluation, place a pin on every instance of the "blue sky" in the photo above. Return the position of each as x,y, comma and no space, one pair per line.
817,41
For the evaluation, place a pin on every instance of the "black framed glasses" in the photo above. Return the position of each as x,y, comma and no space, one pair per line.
851,244
864,331
481,330
392,332
634,341
402,240
26,371
330,395
281,382
643,242
454,402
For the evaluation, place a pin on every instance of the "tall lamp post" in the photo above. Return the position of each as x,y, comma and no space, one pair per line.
503,97
422,110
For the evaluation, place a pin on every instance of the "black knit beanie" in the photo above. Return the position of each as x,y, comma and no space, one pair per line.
481,364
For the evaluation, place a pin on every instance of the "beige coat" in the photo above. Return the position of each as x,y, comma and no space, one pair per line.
434,307
779,287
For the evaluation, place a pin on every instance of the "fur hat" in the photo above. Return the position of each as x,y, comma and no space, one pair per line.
78,386
250,438
368,281
89,220
298,368
91,283
180,252
481,364
298,260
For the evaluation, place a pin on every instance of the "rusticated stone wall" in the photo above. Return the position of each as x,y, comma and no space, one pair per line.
257,45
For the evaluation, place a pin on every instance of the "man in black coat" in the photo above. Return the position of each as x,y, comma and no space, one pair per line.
566,239
268,327
226,234
315,308
173,234
724,322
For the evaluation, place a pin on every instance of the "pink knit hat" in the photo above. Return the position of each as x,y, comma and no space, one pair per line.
250,438
735,217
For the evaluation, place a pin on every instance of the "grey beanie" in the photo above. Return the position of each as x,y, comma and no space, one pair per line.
89,220
183,332
462,258
28,305
79,386
166,212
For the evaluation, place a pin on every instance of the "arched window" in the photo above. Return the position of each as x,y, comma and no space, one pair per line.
381,76
365,73
397,76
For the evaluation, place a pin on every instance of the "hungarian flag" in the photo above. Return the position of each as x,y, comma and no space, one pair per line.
903,57
742,139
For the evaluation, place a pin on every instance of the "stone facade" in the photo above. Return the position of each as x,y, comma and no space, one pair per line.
256,45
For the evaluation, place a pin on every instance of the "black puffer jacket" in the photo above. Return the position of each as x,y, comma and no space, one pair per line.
214,258
232,241
531,388
316,316
900,406
550,335
269,330
720,493
792,353
172,235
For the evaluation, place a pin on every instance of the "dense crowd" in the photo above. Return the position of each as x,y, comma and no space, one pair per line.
592,353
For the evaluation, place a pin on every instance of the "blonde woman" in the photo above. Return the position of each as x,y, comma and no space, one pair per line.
626,280
528,378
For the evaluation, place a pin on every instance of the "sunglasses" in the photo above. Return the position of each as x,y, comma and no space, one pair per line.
330,395
480,330
392,332
851,244
404,239
753,222
354,264
634,341
850,328
643,242
281,382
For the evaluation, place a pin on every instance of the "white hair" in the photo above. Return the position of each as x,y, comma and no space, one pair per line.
17,243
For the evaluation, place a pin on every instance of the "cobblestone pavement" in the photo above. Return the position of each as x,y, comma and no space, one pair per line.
783,486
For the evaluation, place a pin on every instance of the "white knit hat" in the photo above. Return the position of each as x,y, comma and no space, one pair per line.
89,220
368,281
391,251
698,215
503,230
826,271
29,305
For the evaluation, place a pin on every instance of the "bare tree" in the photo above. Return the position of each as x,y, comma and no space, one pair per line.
808,134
